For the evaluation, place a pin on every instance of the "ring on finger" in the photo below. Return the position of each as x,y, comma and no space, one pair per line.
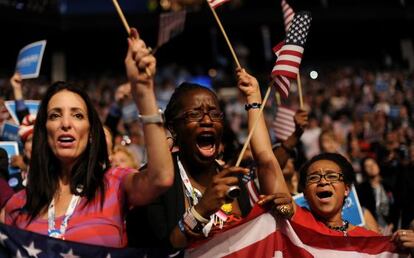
149,50
404,233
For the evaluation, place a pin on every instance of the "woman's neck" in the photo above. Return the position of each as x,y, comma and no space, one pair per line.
375,181
333,221
202,174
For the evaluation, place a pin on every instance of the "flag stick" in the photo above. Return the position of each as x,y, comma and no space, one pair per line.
246,143
225,36
277,95
127,28
300,91
121,15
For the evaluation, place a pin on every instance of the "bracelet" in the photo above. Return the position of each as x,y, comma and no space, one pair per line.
253,105
198,217
181,226
152,119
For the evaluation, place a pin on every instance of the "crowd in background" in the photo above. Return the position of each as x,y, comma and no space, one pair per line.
365,115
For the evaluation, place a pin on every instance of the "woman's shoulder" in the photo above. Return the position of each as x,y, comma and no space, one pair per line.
16,201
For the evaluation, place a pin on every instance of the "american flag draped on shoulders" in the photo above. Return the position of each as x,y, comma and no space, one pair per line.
19,243
216,3
289,52
263,235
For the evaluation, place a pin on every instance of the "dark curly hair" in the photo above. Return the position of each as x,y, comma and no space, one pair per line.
341,161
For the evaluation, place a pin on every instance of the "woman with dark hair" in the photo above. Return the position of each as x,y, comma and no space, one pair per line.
205,197
326,180
71,185
375,195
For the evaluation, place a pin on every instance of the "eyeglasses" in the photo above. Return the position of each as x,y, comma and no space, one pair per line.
329,176
196,115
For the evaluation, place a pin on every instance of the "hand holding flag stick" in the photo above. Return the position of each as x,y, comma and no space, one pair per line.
289,53
256,122
127,28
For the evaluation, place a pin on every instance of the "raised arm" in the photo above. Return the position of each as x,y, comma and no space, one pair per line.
22,110
269,172
145,186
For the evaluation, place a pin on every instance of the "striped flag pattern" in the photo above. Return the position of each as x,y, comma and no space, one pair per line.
288,14
289,53
263,235
171,24
284,123
216,3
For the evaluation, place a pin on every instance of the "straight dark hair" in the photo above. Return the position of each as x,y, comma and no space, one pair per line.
89,170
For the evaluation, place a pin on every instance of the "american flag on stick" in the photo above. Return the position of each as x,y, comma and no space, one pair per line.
284,124
289,52
288,14
216,3
171,24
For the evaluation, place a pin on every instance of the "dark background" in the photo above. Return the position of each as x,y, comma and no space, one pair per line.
90,33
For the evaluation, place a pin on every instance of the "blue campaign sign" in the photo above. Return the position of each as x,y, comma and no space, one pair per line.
351,211
30,58
12,149
32,105
10,132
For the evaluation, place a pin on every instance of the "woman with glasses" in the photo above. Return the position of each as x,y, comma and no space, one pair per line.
326,180
205,197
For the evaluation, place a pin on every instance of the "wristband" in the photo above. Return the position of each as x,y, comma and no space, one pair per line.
253,105
192,223
198,216
152,119
181,226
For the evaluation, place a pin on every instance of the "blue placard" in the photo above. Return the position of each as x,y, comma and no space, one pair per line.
10,132
29,59
12,149
351,211
32,105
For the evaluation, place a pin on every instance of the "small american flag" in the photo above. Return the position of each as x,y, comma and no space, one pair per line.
284,123
171,24
216,3
288,14
289,52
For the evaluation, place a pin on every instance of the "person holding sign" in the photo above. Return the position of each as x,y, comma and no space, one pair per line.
72,193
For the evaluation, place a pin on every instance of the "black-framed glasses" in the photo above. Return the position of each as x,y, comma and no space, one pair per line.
329,176
196,115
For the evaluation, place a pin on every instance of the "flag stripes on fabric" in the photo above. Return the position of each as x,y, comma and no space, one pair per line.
288,14
15,242
289,53
216,3
170,25
261,235
284,123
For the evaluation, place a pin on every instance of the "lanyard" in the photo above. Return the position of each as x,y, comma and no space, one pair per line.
192,193
59,233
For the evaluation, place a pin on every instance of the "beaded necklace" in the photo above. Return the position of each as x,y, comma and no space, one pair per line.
343,228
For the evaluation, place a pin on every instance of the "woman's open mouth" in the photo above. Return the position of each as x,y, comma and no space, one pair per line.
324,196
206,144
